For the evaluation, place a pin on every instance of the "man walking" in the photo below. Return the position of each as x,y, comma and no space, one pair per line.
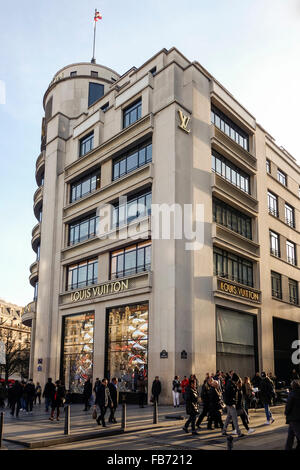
87,393
114,396
16,392
156,389
49,391
230,398
266,394
103,400
30,393
191,406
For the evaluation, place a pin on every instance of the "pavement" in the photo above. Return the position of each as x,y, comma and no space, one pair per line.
140,433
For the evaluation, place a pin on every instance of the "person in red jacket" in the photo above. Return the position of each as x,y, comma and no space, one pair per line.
184,384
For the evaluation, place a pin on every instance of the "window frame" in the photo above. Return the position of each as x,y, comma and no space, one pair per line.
75,267
79,183
116,163
233,130
276,293
83,144
120,253
136,106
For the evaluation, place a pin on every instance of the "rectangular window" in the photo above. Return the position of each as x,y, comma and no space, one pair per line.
132,160
231,218
293,292
291,252
233,267
105,107
137,206
289,215
276,285
94,74
268,166
36,288
86,144
229,171
96,91
274,244
84,186
82,274
281,177
132,113
78,350
73,74
272,204
131,260
220,120
83,229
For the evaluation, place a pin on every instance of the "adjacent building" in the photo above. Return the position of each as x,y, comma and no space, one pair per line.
164,133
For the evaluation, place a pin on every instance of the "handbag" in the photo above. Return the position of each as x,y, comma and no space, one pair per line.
94,414
152,399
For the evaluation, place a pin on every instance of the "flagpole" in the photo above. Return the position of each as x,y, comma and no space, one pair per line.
93,61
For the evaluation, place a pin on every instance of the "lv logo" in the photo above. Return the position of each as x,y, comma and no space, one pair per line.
184,120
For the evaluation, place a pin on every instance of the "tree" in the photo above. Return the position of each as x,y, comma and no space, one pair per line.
17,353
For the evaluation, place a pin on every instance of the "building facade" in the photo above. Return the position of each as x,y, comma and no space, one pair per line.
164,133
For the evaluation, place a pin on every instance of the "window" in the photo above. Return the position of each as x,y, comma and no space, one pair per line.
153,71
42,179
233,131
105,107
272,204
40,215
131,260
281,177
132,160
84,186
276,285
232,218
268,166
73,74
82,274
137,206
274,244
38,252
233,267
96,91
229,171
132,113
86,144
94,74
83,229
289,215
36,288
291,252
293,292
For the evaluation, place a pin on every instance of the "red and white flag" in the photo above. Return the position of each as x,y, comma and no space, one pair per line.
97,16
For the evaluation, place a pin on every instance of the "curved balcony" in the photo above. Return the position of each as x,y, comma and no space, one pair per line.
38,201
29,314
36,237
40,168
34,273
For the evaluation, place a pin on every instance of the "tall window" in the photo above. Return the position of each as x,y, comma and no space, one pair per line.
84,186
274,244
131,260
229,171
86,144
233,267
272,204
82,274
82,229
293,291
96,91
137,206
132,113
38,252
281,177
291,252
268,166
226,125
36,289
232,218
289,215
132,160
276,285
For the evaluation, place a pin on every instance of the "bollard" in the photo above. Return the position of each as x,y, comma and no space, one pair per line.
155,412
229,442
1,427
67,420
123,425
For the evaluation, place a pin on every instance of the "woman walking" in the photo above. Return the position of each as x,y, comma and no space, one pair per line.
57,399
248,393
216,405
241,412
191,406
176,390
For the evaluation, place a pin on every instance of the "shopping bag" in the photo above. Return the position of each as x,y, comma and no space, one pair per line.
94,414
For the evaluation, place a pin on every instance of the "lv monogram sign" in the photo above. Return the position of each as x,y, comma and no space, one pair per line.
184,121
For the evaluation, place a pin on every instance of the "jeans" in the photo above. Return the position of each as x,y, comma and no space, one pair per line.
192,421
102,415
268,411
175,398
293,431
47,403
14,402
232,415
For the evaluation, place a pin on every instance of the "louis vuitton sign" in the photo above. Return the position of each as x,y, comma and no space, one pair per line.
114,287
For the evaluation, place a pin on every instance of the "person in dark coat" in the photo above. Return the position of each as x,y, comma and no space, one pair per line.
292,412
266,394
16,395
230,398
38,393
87,393
256,380
30,393
156,389
205,401
142,387
294,376
48,393
191,406
57,399
114,396
103,400
215,405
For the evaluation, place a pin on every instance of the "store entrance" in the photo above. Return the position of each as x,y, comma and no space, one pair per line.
126,355
284,332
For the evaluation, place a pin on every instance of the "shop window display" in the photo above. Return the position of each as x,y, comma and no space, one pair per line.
127,345
78,347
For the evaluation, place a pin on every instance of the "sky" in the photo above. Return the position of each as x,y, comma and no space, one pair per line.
251,46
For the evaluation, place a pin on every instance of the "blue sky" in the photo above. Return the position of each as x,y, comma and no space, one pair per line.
250,46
